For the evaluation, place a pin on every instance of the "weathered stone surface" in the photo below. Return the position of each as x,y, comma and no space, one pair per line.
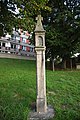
39,26
78,66
42,111
41,103
42,116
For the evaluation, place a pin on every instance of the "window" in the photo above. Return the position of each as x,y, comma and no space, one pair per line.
3,44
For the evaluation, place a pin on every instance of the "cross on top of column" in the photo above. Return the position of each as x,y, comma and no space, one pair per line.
39,26
39,18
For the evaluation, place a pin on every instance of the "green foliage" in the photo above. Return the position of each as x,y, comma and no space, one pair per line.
62,26
34,7
6,18
18,90
28,9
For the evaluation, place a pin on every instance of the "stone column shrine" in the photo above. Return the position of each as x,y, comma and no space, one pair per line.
41,104
42,110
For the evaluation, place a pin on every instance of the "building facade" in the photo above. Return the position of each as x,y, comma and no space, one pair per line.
19,43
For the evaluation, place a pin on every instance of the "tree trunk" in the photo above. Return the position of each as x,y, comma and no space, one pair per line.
53,64
64,64
71,63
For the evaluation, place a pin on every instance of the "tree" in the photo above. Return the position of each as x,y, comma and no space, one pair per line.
62,26
28,9
6,17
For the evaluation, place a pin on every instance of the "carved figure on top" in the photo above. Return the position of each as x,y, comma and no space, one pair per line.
39,26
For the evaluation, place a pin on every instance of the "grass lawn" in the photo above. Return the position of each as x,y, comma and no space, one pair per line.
18,91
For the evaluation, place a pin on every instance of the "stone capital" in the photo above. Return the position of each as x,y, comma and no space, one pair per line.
40,48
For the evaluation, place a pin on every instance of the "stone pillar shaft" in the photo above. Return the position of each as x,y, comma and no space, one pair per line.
41,84
40,64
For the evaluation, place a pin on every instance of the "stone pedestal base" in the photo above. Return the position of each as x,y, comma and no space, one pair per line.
42,116
41,105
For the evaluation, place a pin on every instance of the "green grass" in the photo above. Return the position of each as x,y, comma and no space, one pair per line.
18,91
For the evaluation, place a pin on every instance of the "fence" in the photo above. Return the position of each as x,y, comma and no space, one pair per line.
16,47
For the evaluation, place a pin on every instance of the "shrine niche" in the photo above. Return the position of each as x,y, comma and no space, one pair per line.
40,39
